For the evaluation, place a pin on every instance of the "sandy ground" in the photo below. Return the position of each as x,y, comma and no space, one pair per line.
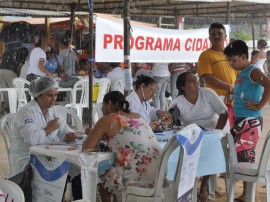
220,197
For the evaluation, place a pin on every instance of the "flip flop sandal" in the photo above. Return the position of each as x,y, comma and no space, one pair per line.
202,197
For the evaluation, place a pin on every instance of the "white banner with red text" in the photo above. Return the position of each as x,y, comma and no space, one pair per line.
150,44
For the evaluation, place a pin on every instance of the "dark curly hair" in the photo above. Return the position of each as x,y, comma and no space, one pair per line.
143,79
118,99
181,82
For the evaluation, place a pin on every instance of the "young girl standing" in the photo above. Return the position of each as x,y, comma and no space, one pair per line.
249,99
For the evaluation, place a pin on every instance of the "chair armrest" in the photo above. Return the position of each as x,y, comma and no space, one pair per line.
140,191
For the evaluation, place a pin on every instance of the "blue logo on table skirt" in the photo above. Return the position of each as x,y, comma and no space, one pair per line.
49,175
190,148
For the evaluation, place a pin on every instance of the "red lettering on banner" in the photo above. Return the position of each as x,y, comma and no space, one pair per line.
142,43
177,45
131,42
197,44
188,44
149,43
158,44
205,45
168,43
118,41
139,43
107,39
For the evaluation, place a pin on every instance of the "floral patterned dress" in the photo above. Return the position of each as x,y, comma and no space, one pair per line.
137,156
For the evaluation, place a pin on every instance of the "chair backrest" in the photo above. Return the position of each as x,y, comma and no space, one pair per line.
5,130
262,163
170,146
97,112
104,87
232,152
14,192
264,156
80,92
21,85
65,112
118,85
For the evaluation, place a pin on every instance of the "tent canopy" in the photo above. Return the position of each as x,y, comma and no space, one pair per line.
199,8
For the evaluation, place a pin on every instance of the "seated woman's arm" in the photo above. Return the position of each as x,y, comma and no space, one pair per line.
106,127
219,107
222,120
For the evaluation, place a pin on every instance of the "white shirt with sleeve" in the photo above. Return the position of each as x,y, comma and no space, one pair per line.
161,70
27,130
144,109
36,55
204,112
116,74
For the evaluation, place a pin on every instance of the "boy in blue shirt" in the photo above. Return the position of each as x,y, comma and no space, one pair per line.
251,93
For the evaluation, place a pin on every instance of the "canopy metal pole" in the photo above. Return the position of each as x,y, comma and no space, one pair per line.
91,60
72,19
127,65
253,32
228,13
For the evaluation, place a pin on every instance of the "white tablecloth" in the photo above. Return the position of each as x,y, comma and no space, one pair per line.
88,162
211,160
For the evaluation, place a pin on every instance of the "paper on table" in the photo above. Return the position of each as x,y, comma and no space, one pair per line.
61,147
78,141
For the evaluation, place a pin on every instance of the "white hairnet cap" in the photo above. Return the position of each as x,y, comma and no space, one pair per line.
42,85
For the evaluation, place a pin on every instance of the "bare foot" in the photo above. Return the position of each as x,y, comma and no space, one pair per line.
242,198
203,196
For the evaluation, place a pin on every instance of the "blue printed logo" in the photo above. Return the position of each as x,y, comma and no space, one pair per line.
28,121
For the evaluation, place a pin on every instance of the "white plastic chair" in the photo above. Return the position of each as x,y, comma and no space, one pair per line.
251,173
104,87
5,131
21,85
118,85
158,192
14,192
80,96
97,113
66,112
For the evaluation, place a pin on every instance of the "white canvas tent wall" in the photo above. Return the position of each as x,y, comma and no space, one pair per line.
210,8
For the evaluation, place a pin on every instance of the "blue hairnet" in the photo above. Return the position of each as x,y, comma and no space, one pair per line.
42,85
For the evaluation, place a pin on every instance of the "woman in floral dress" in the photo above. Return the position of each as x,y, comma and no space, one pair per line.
132,139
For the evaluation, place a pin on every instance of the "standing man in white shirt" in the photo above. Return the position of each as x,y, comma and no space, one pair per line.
115,75
161,75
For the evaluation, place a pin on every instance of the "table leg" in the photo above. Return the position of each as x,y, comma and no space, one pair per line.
89,183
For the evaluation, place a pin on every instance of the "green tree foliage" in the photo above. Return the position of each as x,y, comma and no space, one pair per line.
241,35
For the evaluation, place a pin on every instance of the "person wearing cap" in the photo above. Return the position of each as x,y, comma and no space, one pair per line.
38,122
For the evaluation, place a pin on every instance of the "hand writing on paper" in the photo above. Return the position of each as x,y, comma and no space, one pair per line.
70,137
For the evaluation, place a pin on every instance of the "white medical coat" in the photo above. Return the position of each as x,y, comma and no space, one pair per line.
144,109
28,130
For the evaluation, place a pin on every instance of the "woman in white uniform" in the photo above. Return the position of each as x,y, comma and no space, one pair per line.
37,122
145,89
201,106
